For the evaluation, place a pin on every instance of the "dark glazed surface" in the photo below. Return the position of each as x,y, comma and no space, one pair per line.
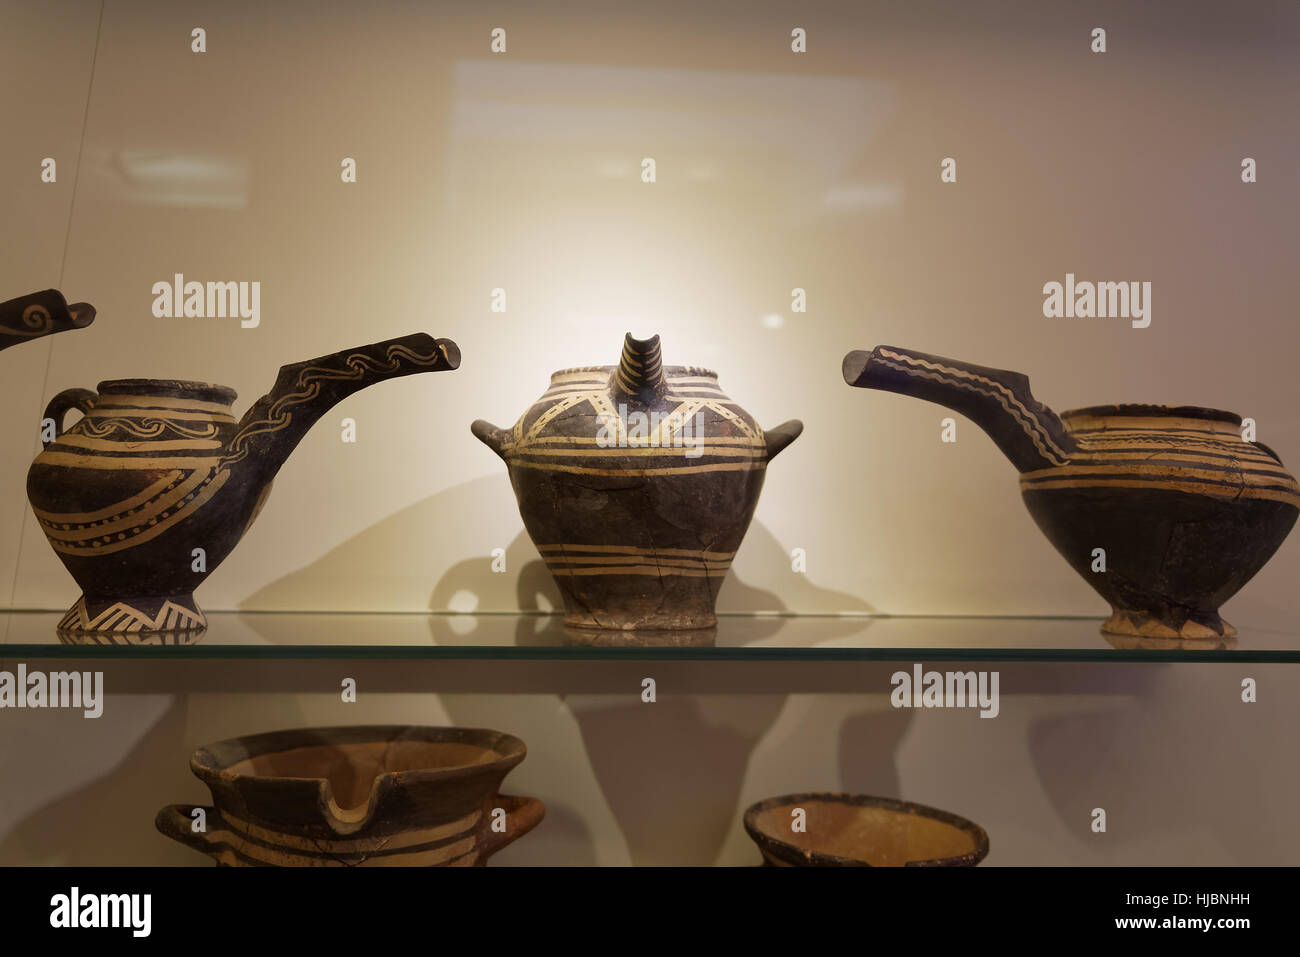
159,468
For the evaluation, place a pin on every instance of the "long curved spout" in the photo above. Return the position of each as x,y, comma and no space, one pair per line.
999,402
272,428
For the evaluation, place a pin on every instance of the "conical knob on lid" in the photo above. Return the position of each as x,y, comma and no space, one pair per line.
640,372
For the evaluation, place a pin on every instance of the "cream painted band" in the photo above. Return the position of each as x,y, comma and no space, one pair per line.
1192,488
67,527
342,845
594,561
150,412
113,510
635,551
653,570
665,451
754,465
114,462
577,440
145,402
674,392
1160,470
1108,425
96,546
1209,454
145,445
462,853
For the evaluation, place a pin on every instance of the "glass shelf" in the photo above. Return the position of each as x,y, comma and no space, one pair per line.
290,635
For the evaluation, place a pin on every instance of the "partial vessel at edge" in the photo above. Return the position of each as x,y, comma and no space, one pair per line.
41,314
146,494
1183,510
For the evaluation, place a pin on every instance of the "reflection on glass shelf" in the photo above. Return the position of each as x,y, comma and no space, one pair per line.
737,637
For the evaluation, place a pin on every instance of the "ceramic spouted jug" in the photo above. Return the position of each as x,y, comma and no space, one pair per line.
159,468
1165,510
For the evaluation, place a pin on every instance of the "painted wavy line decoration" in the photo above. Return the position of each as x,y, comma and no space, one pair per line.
150,427
358,366
1027,421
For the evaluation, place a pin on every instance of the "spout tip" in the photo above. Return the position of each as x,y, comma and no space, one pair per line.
450,351
855,366
641,346
491,436
82,313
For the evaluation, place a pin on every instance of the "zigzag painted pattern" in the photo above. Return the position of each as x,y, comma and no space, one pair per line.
121,618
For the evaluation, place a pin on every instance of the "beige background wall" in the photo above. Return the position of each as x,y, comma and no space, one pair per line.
775,170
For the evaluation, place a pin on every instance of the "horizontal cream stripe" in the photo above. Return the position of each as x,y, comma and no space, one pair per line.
344,845
159,402
1118,424
145,445
121,521
1202,455
587,376
1194,488
634,550
1157,470
591,440
275,856
554,560
75,461
65,518
666,451
755,465
152,532
640,570
1176,433
132,412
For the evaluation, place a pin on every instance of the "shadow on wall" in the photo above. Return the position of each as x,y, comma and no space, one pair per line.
109,821
867,747
1184,772
671,772
380,568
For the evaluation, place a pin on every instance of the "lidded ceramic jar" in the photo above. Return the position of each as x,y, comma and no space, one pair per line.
636,483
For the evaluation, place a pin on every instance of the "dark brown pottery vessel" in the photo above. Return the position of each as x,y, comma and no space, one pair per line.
158,469
386,796
857,830
1184,508
41,314
637,483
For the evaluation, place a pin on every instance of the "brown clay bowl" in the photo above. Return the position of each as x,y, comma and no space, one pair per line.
857,830
385,795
